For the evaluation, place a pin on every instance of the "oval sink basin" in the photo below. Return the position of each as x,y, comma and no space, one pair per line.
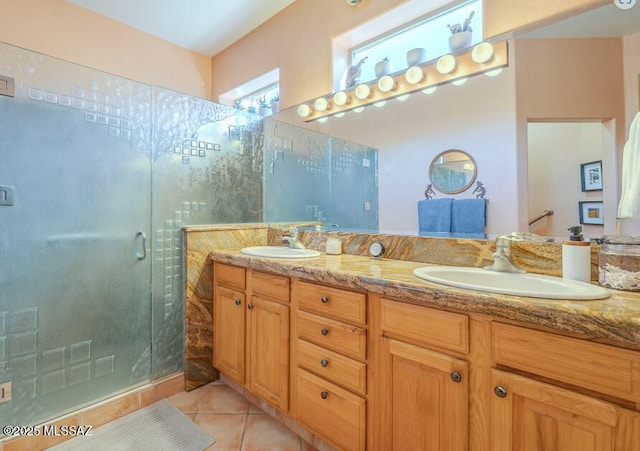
530,285
279,252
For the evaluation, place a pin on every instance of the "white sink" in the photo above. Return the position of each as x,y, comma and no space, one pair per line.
531,285
279,252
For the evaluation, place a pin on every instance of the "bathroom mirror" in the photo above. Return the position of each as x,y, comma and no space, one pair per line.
484,118
452,171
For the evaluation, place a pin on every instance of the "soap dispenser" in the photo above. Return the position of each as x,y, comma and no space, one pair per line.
576,256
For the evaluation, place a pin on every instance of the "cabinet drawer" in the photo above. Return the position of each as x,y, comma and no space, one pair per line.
340,304
605,369
432,327
230,276
335,335
336,414
332,366
270,285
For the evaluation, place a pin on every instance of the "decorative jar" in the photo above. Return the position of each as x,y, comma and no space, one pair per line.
619,262
459,41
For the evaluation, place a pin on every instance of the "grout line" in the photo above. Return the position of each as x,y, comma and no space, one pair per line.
244,429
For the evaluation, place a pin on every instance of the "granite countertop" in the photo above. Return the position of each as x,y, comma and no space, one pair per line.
615,320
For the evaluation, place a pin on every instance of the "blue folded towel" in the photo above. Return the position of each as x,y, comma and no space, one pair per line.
468,215
434,215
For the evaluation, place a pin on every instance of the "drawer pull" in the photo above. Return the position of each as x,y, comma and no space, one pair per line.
238,302
324,299
456,377
324,395
324,331
250,306
500,391
324,363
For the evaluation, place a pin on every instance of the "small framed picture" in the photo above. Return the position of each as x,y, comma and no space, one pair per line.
591,176
591,212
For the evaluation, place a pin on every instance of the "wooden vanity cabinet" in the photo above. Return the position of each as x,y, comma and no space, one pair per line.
251,331
330,372
529,413
422,393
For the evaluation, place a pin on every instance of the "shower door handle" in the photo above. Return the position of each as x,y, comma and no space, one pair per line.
141,245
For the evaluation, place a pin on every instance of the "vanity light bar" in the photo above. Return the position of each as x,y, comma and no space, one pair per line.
483,58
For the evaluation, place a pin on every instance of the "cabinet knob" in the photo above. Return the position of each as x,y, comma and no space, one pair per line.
324,362
238,302
500,391
324,299
455,376
250,306
324,331
324,395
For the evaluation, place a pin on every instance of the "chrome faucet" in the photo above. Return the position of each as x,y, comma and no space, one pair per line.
502,256
292,238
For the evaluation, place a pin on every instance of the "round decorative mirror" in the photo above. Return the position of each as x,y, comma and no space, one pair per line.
452,171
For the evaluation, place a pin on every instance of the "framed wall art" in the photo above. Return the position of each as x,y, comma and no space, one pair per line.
591,176
591,212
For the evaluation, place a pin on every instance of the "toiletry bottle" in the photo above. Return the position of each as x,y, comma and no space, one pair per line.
576,256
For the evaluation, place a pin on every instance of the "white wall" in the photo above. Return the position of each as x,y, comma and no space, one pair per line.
479,118
556,151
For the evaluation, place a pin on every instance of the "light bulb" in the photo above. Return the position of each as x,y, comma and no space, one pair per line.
403,97
446,64
321,104
430,90
322,120
459,81
362,91
380,104
359,109
339,115
494,72
340,98
304,110
482,53
414,75
386,83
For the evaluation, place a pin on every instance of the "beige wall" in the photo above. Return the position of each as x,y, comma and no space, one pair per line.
64,30
298,41
572,79
501,17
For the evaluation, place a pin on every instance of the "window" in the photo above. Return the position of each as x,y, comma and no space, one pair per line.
260,91
263,97
431,33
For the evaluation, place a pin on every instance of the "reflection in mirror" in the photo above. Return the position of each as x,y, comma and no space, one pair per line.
452,171
551,78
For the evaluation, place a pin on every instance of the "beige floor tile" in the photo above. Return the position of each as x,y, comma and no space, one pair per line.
256,410
263,433
187,402
225,429
221,399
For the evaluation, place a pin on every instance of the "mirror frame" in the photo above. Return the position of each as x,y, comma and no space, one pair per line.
464,188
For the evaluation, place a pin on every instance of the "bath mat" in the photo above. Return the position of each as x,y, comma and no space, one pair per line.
159,426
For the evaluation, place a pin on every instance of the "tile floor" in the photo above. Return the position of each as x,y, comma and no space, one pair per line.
233,422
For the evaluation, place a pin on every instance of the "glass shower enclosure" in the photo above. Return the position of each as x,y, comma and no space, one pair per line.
98,174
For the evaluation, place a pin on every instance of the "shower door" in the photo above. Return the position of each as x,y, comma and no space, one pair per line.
75,296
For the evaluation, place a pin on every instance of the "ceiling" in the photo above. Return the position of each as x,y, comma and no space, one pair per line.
204,26
210,26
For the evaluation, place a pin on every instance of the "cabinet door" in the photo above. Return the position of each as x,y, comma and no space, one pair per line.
229,332
528,415
268,347
428,397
